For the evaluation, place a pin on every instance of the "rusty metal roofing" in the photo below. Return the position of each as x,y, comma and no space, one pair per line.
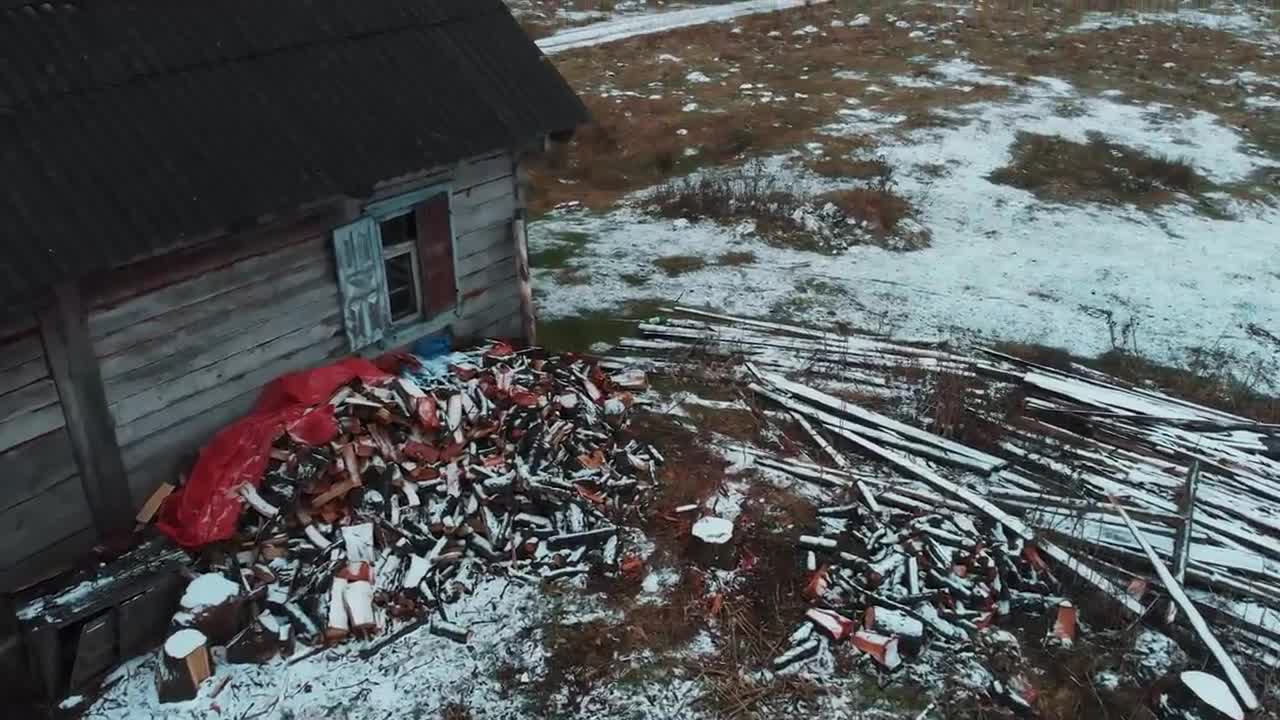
131,126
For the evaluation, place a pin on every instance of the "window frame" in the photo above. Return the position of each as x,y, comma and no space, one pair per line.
411,328
410,248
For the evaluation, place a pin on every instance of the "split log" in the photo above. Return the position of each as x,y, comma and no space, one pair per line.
216,607
835,625
456,633
799,653
184,664
1063,631
895,623
153,503
882,648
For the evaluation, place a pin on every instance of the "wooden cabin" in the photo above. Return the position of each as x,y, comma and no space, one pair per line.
197,197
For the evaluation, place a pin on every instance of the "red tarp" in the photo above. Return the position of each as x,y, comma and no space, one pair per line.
206,508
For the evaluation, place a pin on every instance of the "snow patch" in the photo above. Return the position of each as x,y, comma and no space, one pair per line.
713,530
208,590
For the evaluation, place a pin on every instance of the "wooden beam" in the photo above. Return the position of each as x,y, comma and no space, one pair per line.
75,372
1179,596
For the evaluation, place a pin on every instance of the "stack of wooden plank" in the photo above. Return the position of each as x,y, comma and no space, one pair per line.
1152,500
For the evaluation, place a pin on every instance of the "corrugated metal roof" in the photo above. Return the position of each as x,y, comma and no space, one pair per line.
127,126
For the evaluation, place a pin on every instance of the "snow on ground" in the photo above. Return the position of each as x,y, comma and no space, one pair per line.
420,674
1247,20
622,28
1003,264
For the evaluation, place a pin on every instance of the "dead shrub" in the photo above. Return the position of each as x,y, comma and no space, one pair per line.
745,193
676,265
855,168
1215,378
1055,168
1054,357
879,209
736,259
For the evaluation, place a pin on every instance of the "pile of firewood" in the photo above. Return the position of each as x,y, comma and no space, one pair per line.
511,462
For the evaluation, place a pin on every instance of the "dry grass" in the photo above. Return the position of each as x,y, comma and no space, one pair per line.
1053,357
634,141
877,207
676,265
1212,378
736,259
455,711
1098,171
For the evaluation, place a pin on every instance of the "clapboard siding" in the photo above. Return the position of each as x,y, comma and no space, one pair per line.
499,210
46,562
43,520
485,247
29,406
42,501
197,404
162,457
486,201
42,463
263,291
471,173
494,275
251,271
187,359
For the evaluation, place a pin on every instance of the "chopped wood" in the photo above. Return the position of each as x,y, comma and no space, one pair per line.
152,505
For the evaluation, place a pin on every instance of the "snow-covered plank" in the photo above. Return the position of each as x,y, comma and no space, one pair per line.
1179,596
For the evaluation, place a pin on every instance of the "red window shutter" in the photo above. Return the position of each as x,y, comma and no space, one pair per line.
435,253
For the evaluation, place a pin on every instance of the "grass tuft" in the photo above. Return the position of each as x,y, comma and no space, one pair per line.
1057,169
676,265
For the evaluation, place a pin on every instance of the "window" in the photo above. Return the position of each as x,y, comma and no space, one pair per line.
396,266
400,257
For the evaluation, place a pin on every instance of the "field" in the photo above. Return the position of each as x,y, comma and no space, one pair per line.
1095,181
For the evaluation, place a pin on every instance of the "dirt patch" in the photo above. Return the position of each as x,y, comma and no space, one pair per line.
755,620
583,656
1057,169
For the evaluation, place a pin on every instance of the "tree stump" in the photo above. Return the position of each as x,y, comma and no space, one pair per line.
712,545
215,606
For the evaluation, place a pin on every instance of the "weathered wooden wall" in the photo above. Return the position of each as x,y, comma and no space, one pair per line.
183,360
185,344
44,516
486,201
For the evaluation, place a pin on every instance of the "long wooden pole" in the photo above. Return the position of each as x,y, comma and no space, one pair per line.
1234,676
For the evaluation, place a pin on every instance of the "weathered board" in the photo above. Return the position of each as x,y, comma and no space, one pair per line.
42,501
199,352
